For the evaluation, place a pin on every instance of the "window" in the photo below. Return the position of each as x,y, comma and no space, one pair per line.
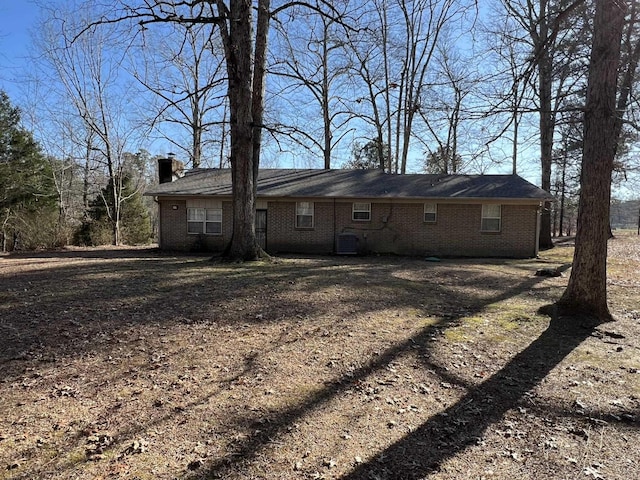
361,211
304,215
213,221
491,218
430,211
195,220
204,220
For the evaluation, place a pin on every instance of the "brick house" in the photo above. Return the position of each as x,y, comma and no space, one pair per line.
356,211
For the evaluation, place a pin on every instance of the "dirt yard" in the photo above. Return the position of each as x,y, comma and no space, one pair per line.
126,363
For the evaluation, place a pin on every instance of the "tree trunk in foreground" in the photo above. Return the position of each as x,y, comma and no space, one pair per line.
244,245
586,293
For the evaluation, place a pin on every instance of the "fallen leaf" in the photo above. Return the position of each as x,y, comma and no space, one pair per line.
330,463
590,471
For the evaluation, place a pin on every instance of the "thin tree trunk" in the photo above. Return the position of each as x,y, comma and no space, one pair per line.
387,92
563,193
85,182
629,75
586,293
4,229
223,137
196,138
326,117
516,124
545,81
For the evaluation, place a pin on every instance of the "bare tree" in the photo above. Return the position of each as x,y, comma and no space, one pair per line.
573,65
566,188
67,144
246,67
586,292
424,22
626,129
183,66
371,64
245,46
89,74
544,22
452,83
506,89
393,56
311,57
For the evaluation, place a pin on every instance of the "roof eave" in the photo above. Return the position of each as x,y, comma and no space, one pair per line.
455,199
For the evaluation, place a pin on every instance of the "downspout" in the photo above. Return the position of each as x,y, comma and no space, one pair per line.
538,221
155,199
335,246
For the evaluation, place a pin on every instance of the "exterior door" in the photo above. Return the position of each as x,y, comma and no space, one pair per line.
261,228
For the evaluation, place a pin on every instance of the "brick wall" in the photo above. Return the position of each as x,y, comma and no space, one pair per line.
173,228
394,228
283,236
400,228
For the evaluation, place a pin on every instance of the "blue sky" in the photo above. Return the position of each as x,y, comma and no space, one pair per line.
17,17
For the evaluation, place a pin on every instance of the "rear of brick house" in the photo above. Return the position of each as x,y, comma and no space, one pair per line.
355,211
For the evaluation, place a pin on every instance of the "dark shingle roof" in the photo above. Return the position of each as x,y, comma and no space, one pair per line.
354,184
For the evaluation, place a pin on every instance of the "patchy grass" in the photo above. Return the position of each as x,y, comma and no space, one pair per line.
126,363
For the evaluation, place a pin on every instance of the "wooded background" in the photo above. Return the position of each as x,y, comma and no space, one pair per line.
438,86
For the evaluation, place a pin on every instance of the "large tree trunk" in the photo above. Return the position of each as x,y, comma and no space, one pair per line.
244,245
586,293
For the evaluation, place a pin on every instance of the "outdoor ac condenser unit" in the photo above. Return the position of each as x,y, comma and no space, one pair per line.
347,244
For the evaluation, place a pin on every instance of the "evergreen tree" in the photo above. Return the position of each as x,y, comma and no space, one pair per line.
136,222
371,155
442,161
27,191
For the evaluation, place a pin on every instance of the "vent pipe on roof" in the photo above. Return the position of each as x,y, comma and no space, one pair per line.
169,169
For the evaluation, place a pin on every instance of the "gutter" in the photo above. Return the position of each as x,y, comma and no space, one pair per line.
538,223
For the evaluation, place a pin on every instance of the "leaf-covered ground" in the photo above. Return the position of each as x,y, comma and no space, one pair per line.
127,363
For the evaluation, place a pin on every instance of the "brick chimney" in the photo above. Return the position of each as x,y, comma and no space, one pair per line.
169,169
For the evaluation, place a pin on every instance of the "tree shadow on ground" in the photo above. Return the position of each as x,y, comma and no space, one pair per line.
100,306
442,436
445,434
463,424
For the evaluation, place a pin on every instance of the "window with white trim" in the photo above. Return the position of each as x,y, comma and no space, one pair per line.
304,215
491,218
430,212
204,220
361,212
